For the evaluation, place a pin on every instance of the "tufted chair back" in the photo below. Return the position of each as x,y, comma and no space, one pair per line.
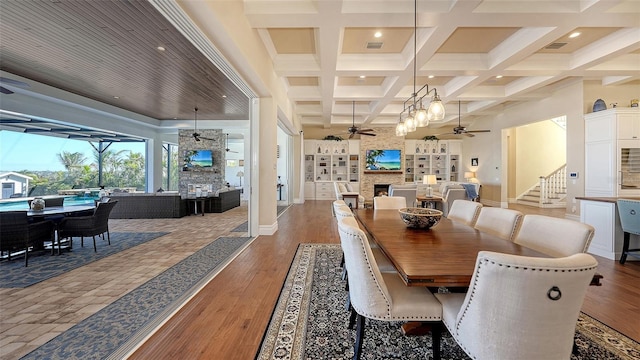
464,211
519,307
503,223
554,236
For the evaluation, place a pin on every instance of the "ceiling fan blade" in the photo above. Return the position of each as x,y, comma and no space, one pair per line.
477,131
467,134
363,133
352,135
4,90
366,130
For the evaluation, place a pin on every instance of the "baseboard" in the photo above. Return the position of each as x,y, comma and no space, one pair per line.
491,203
268,229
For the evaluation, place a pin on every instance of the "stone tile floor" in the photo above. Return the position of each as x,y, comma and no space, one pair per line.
32,316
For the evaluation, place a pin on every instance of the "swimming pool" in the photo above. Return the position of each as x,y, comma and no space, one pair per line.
23,204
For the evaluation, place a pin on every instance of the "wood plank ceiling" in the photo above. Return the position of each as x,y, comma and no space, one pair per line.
109,51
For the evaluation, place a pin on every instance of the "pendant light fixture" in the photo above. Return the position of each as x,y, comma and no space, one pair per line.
418,116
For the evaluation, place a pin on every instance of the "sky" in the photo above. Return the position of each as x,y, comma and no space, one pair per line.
20,151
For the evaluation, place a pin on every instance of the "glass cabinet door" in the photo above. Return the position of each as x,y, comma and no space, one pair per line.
629,168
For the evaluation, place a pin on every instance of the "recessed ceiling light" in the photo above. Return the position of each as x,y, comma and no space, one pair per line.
431,76
161,48
362,76
498,76
378,34
224,96
116,97
574,35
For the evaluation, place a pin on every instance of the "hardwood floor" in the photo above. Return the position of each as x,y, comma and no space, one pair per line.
227,319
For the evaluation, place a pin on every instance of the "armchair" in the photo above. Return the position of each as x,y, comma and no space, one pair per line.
344,188
16,233
92,225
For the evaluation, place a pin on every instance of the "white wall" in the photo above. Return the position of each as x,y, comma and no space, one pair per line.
488,147
540,149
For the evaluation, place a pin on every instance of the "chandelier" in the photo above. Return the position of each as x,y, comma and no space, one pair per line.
414,114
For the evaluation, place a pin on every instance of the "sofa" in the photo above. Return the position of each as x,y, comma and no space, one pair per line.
449,191
148,205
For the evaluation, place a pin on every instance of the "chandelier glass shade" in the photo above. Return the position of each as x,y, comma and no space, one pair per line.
419,116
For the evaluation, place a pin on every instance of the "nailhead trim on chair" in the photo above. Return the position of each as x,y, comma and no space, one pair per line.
484,261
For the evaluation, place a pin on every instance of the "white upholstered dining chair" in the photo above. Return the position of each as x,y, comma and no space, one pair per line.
554,236
384,264
503,223
335,204
382,296
389,202
519,307
464,211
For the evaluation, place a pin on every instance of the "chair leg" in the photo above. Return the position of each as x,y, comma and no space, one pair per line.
108,238
625,247
82,241
352,318
95,249
26,256
357,348
436,335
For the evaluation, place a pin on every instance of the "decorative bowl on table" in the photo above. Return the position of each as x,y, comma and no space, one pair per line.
420,218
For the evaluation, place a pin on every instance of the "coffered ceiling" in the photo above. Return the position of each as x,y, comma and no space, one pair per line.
487,53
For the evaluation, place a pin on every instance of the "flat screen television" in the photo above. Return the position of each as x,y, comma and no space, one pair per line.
383,160
197,160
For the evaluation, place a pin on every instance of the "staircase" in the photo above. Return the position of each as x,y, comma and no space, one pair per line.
549,192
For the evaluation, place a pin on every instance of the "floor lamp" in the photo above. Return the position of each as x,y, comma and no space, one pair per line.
240,174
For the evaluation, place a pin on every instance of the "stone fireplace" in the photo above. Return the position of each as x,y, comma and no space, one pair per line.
386,139
380,189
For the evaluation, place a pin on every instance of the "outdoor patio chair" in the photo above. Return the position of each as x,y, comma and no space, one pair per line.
17,234
92,225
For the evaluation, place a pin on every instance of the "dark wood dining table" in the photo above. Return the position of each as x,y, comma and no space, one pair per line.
444,255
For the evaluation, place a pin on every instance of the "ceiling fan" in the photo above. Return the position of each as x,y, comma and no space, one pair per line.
353,130
462,130
7,81
196,135
227,147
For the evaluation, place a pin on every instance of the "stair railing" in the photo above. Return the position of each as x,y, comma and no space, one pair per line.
553,184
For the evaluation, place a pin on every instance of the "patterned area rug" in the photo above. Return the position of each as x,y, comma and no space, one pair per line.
310,322
113,331
43,265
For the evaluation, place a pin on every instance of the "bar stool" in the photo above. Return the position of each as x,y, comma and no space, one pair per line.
629,211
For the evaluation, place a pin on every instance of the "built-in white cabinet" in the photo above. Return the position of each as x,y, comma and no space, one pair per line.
440,158
607,238
612,152
327,161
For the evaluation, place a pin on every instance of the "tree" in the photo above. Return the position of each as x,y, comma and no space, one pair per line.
70,160
372,158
